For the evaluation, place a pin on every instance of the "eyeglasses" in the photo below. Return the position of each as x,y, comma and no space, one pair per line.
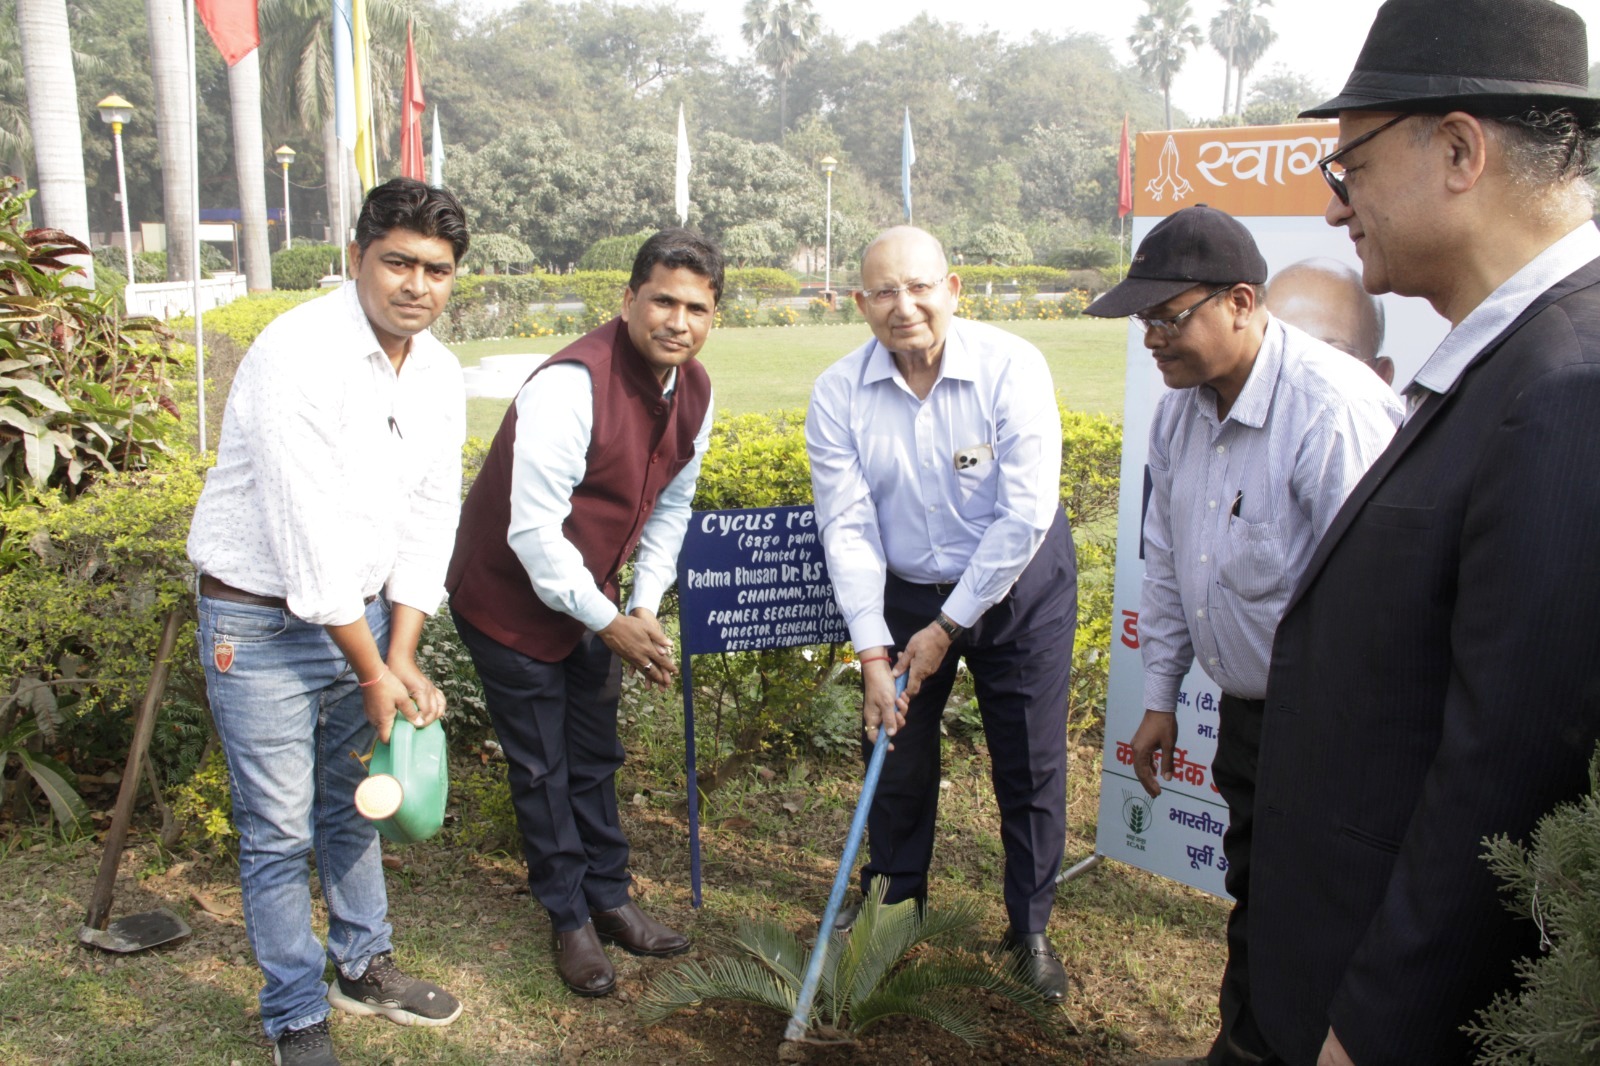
916,289
1336,180
1169,327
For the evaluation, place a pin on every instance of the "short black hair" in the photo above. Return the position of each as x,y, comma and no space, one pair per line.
406,203
678,248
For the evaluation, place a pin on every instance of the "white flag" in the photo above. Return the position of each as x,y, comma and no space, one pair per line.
438,153
682,186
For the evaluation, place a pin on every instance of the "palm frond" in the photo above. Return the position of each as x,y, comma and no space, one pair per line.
957,1015
741,980
775,947
932,975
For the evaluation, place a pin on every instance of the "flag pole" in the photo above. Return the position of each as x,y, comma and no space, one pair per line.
194,205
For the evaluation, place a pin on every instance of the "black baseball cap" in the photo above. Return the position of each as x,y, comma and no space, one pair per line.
1195,246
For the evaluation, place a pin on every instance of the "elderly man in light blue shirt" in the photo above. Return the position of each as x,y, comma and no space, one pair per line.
935,460
1251,455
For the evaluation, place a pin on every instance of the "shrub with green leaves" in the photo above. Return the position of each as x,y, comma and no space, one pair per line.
614,253
1553,1017
492,253
758,283
303,266
83,391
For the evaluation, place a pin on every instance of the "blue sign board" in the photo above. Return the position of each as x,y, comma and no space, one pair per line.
748,580
754,579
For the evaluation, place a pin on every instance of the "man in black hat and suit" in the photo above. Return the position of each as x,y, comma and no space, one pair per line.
1263,433
1432,680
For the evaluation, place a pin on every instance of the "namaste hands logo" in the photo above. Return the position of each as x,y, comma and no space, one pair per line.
1167,175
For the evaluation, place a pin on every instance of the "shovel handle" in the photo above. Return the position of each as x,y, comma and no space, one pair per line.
100,902
799,1021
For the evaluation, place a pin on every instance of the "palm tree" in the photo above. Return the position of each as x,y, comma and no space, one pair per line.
782,33
57,137
169,71
1224,38
1255,37
250,163
1161,40
297,70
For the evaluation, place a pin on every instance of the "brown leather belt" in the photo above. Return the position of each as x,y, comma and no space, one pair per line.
221,590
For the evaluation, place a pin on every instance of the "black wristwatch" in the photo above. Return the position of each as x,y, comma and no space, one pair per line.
946,623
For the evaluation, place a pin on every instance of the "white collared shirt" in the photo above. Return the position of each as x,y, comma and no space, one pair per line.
336,477
555,418
888,491
1305,427
1485,322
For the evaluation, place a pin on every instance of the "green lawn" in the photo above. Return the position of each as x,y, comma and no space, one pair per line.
772,368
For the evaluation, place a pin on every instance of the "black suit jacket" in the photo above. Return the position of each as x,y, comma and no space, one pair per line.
1434,681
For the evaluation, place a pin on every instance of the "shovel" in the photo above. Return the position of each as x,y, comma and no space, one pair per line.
137,931
799,1021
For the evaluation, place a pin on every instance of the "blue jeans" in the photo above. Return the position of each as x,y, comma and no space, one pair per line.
290,717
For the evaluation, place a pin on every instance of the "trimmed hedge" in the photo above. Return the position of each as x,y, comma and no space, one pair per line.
303,266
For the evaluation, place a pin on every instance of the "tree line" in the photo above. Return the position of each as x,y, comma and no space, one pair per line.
559,119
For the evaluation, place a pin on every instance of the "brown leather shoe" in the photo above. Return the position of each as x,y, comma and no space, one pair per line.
582,962
637,933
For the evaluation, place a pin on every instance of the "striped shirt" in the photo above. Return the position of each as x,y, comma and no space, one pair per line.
1237,506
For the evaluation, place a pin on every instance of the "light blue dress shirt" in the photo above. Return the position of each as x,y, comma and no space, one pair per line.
889,493
1237,506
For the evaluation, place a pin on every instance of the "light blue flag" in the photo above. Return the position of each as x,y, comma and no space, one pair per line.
344,78
908,156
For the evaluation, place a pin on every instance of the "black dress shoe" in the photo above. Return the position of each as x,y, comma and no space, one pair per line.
637,933
582,962
1041,966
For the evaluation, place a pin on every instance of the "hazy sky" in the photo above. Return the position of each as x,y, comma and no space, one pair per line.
1319,38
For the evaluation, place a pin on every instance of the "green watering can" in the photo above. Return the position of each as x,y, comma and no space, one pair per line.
407,783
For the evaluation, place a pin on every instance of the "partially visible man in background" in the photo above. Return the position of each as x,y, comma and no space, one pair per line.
1325,298
321,541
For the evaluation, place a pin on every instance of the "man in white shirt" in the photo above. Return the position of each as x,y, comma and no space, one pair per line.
935,455
321,540
1264,434
597,457
1433,679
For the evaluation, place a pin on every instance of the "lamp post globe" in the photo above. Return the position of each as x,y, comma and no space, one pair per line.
114,111
285,156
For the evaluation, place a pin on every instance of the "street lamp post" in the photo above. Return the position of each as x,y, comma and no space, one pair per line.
285,156
829,165
114,111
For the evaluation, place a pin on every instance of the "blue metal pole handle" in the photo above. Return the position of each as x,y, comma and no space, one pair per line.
796,1029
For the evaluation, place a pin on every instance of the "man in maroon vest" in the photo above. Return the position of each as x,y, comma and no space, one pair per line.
597,456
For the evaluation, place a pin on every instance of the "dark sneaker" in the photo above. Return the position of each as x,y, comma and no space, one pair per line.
311,1046
384,990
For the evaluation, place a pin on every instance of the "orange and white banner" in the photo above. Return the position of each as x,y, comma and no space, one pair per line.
1247,170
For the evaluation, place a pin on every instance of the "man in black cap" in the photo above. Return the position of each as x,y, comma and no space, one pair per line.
1266,431
1432,679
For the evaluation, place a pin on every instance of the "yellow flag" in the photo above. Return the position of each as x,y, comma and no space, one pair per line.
366,157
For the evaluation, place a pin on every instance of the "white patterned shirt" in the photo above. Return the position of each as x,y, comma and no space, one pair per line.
888,491
1237,506
336,477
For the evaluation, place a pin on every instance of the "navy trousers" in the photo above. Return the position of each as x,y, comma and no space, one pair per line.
1020,657
557,724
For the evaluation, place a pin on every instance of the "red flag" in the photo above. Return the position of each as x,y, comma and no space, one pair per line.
411,107
1124,174
232,25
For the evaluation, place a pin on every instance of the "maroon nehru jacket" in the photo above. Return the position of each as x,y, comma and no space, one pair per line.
639,443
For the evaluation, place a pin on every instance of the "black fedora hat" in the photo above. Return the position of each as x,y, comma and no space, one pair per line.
1486,57
1198,245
